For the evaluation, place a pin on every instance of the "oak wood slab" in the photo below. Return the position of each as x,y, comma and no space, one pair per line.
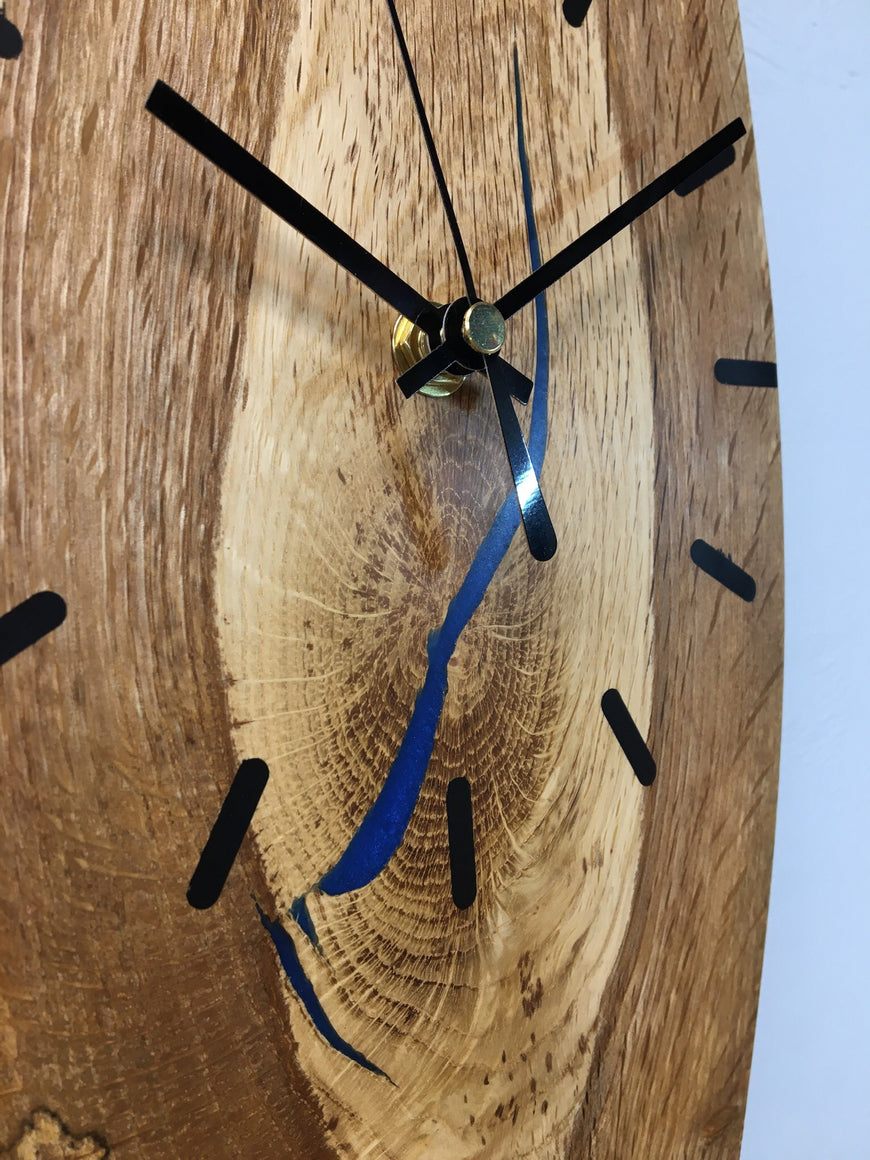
203,452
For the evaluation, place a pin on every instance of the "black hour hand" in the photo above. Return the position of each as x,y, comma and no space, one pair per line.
210,140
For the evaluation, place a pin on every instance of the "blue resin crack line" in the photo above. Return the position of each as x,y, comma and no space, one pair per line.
303,988
383,828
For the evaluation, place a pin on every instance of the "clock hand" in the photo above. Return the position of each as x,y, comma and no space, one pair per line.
210,140
197,130
515,383
378,836
482,331
536,518
432,364
437,360
460,350
433,156
418,376
574,253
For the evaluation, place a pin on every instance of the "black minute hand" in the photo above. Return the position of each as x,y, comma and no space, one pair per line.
542,278
197,130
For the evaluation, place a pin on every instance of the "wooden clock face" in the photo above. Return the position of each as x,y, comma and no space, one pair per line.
464,920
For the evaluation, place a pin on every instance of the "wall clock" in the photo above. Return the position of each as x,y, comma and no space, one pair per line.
335,820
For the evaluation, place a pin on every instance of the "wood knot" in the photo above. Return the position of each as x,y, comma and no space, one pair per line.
46,1137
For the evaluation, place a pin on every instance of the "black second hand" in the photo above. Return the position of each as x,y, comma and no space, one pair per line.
433,155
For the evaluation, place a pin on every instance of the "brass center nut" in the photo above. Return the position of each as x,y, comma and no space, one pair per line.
483,328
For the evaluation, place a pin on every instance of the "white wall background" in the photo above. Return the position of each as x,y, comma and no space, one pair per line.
809,79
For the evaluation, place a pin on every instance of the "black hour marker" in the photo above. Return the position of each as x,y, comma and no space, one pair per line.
460,831
717,565
719,163
628,735
575,11
28,622
11,42
226,836
743,372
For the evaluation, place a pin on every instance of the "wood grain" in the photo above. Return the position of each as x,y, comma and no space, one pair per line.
203,453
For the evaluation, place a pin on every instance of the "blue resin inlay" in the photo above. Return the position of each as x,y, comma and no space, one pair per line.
303,988
382,829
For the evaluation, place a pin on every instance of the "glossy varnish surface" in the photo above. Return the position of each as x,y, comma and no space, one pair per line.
203,453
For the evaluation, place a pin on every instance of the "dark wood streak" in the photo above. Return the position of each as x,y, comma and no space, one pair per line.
705,868
131,693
